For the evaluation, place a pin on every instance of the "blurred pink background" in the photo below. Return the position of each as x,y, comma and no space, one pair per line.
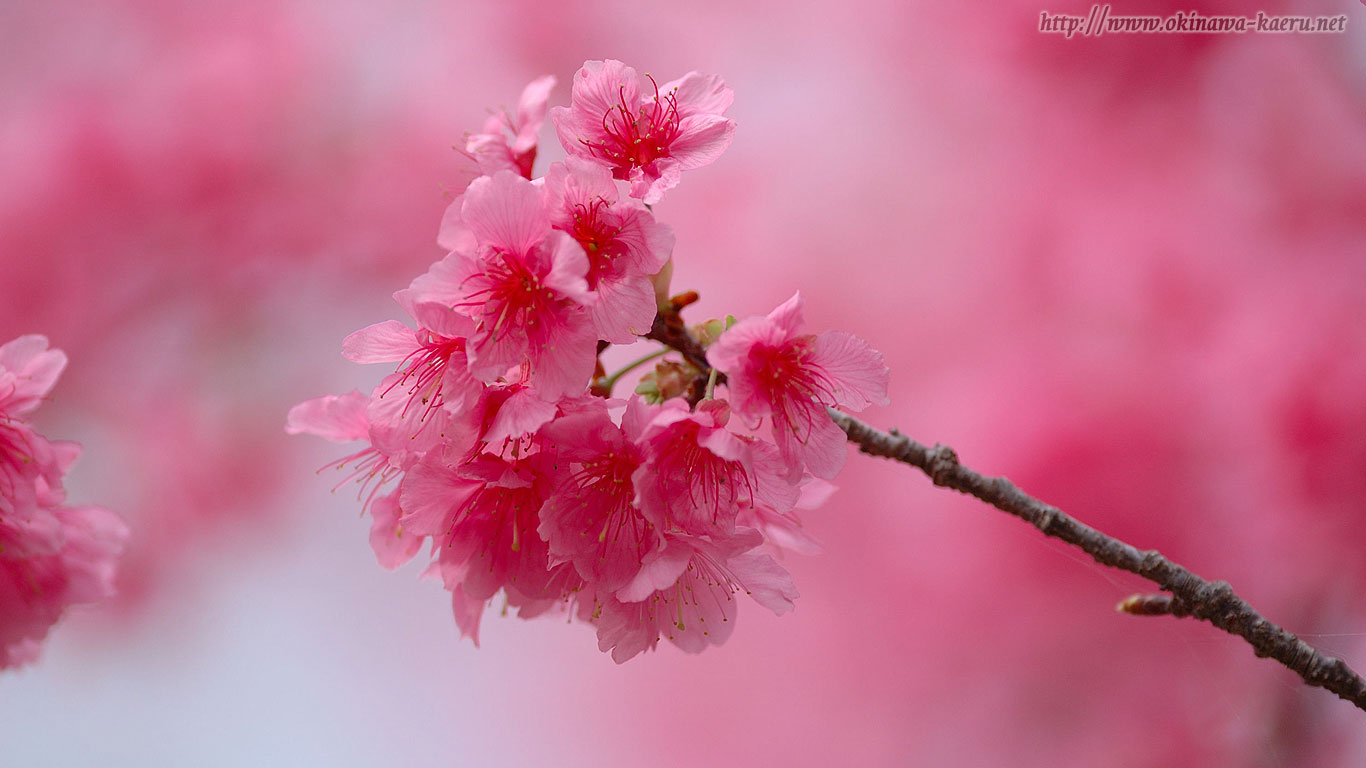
1127,272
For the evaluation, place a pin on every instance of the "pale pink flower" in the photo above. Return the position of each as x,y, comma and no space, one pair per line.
433,364
686,593
646,134
623,242
698,475
773,369
591,517
523,286
493,150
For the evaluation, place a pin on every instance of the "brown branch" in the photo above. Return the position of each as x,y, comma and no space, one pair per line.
1214,602
669,330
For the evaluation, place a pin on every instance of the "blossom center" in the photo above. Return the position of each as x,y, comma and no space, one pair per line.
425,367
635,137
598,235
791,383
714,488
513,297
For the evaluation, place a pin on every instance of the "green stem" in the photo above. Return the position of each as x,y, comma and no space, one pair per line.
611,381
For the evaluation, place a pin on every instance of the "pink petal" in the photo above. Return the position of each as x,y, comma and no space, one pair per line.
787,317
697,93
649,184
506,212
577,181
467,614
568,267
767,582
94,539
701,139
730,354
387,537
636,417
386,342
29,370
531,110
429,494
442,283
648,243
626,630
623,308
454,235
856,369
600,86
823,451
565,359
521,414
339,418
700,615
659,572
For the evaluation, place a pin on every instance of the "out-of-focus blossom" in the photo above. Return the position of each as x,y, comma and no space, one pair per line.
492,148
52,555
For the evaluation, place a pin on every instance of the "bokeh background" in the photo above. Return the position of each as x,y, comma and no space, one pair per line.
1127,272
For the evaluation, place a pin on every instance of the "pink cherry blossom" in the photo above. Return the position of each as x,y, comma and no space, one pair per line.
644,520
646,134
523,286
591,517
434,366
492,149
773,369
623,242
686,593
482,517
698,475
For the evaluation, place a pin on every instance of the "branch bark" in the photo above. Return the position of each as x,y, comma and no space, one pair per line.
1214,602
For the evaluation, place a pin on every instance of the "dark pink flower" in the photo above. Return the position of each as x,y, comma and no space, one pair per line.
698,475
773,369
494,151
591,517
686,592
646,134
482,517
624,244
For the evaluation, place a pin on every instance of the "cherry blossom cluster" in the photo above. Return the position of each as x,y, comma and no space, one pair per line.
51,555
496,438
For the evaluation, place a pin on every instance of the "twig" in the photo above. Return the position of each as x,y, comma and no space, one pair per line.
1214,602
668,329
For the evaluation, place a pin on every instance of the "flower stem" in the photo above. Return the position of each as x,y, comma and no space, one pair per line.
607,383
